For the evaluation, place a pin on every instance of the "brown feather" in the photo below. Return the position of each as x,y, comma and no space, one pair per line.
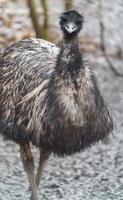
39,105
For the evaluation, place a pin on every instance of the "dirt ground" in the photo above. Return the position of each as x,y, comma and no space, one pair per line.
95,174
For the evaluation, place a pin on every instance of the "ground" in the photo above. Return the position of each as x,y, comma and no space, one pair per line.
96,173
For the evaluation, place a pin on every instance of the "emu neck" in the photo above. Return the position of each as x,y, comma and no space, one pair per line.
69,60
69,42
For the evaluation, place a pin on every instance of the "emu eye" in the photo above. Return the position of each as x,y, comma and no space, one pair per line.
64,20
78,22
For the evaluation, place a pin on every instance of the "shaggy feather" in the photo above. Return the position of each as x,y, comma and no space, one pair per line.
43,102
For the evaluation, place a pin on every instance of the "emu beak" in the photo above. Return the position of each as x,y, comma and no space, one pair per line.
71,27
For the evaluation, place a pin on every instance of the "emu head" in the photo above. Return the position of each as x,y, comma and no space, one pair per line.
71,23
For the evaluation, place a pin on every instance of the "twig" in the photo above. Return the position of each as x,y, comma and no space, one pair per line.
68,4
103,43
45,27
33,15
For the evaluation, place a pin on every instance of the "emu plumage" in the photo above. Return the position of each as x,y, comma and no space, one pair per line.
27,67
50,98
74,119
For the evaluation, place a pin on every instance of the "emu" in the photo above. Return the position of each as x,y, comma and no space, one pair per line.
50,98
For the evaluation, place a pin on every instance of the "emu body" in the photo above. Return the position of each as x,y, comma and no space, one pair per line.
50,98
44,104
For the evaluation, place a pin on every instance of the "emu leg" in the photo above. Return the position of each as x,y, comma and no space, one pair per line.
28,163
44,155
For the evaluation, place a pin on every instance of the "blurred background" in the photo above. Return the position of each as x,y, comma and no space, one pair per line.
97,173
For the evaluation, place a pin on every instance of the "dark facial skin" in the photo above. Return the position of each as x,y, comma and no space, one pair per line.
71,23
